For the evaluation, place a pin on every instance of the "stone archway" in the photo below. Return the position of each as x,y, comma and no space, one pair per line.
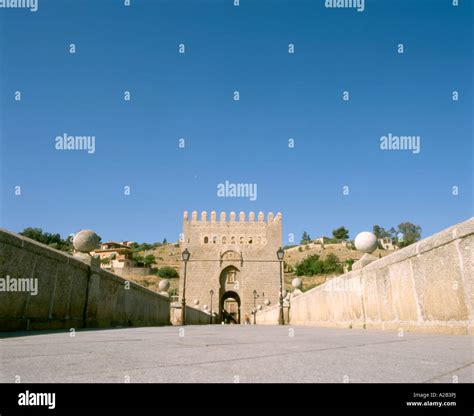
229,299
230,308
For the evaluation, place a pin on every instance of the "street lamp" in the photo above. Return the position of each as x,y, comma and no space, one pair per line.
186,255
255,296
211,292
281,255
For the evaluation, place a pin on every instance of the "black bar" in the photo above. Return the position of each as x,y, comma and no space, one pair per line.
291,396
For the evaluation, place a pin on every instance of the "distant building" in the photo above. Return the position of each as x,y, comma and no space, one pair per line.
321,240
127,243
387,243
119,255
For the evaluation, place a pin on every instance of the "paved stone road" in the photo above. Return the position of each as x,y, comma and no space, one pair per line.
235,353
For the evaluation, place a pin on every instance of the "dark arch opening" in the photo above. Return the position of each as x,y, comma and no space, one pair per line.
230,308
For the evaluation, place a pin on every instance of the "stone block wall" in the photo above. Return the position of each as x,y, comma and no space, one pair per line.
428,287
71,293
193,316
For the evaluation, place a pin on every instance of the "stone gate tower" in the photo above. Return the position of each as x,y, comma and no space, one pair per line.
233,258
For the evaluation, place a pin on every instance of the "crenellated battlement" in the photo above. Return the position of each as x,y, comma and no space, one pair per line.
254,231
222,219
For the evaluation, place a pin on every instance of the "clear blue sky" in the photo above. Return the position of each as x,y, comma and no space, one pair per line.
283,95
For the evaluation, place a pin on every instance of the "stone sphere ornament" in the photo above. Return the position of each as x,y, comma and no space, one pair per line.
297,283
366,242
205,307
85,241
259,307
267,302
196,302
164,285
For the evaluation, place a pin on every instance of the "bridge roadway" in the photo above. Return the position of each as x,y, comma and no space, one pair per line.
234,354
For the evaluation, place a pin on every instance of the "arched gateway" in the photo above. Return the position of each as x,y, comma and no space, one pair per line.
229,260
230,308
229,284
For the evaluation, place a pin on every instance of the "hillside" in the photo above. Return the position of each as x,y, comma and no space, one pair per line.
296,254
167,255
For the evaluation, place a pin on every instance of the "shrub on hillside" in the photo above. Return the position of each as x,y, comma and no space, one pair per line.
349,263
144,261
167,272
313,265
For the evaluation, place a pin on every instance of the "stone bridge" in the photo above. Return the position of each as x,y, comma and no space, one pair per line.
426,287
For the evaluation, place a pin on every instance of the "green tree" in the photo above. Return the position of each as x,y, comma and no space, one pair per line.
380,232
411,234
305,238
37,234
149,260
392,233
144,261
139,259
340,234
53,240
141,247
165,241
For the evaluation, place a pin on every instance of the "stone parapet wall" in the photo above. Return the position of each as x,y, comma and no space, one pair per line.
71,293
131,271
425,287
193,316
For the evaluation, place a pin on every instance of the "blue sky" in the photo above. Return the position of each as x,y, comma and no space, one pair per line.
190,96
